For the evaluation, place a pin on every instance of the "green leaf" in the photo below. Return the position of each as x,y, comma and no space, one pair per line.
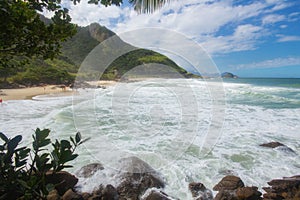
78,137
65,144
72,140
42,134
3,137
84,140
13,143
44,142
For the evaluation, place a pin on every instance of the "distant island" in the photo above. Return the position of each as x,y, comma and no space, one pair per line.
228,75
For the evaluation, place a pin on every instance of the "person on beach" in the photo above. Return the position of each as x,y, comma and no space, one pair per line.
0,100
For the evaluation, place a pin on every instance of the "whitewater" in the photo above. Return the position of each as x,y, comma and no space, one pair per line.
167,124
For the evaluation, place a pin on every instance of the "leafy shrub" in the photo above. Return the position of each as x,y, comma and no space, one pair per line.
22,179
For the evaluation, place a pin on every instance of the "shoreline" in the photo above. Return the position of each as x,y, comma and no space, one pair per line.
29,92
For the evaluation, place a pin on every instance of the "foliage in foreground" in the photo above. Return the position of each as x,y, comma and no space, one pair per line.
23,170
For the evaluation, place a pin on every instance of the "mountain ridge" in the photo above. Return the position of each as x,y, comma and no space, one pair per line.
64,68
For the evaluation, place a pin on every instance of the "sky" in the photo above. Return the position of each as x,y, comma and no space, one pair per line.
250,38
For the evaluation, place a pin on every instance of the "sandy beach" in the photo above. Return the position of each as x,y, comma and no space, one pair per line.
28,93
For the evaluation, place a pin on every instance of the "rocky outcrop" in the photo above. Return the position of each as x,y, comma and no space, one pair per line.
89,170
53,195
138,180
281,147
248,193
285,188
136,177
229,183
200,192
272,144
233,188
154,194
62,180
71,195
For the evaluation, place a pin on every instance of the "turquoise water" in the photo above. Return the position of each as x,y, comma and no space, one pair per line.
170,125
266,92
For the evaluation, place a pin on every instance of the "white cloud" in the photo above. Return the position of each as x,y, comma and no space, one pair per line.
85,14
288,38
277,62
295,16
283,26
243,38
271,19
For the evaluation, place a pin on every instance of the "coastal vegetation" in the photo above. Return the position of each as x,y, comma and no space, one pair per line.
25,172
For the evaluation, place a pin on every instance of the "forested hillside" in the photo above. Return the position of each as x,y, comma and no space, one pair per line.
63,70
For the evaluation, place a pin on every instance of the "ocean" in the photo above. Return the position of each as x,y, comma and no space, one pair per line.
188,130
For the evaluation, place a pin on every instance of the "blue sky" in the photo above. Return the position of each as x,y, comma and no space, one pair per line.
251,38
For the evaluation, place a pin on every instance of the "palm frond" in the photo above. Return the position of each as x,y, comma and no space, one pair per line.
147,6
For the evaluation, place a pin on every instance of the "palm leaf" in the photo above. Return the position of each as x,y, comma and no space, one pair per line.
147,6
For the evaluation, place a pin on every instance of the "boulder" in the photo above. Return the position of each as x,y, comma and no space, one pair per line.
86,195
200,192
272,144
232,188
226,195
62,180
248,193
136,177
279,146
285,188
89,170
71,195
155,194
53,195
109,193
229,183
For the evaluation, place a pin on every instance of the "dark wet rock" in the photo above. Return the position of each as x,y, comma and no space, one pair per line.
232,188
248,193
53,195
226,195
89,170
200,192
95,197
154,194
272,144
229,183
62,180
86,195
279,146
109,193
71,195
137,176
285,188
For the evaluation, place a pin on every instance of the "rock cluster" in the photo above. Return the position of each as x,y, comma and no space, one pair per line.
233,188
138,180
285,188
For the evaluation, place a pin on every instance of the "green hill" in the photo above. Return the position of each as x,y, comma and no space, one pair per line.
63,70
